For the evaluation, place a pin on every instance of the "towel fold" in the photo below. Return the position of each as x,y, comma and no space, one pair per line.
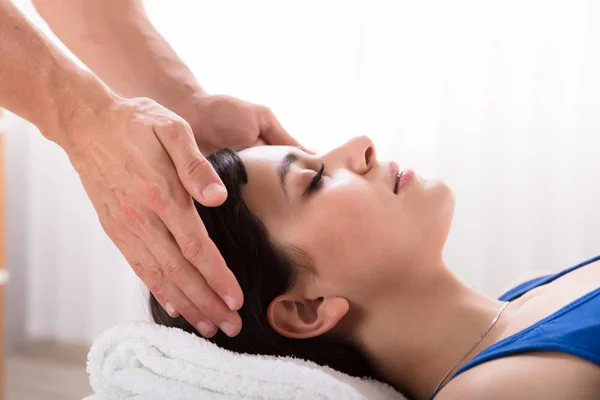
142,360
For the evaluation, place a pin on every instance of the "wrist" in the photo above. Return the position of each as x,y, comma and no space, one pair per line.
74,102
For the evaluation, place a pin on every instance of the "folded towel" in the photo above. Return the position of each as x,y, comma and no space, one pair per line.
142,360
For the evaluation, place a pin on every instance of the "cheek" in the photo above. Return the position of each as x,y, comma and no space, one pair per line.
342,232
361,232
359,240
348,211
421,224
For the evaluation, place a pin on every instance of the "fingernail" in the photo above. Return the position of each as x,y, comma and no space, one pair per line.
171,310
230,302
214,192
205,328
229,328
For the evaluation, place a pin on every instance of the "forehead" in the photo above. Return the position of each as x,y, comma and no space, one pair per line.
263,193
261,155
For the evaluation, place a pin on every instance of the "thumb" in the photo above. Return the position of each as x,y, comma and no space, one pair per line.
197,174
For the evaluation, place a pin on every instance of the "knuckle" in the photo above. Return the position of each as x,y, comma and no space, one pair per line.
211,279
107,228
208,309
267,111
158,294
192,249
156,196
266,115
156,291
195,166
174,129
154,276
182,126
174,271
104,224
172,133
133,216
137,267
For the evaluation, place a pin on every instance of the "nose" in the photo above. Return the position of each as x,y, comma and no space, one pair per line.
358,155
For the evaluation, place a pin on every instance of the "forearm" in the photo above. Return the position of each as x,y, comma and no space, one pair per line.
115,39
40,83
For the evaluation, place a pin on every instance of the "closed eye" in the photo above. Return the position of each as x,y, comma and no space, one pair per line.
316,182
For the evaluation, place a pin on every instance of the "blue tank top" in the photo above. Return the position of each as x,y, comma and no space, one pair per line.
574,329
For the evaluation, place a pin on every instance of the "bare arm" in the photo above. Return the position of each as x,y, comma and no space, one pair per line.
38,82
138,163
115,39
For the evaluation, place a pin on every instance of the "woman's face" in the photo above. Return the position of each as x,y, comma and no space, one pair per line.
360,235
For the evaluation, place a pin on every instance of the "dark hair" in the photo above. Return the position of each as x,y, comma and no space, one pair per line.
263,272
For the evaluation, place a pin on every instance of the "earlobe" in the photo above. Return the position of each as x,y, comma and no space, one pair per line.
304,318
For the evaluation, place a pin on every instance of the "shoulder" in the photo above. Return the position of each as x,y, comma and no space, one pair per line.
543,375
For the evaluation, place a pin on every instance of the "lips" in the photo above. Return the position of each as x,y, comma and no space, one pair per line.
404,179
394,174
400,178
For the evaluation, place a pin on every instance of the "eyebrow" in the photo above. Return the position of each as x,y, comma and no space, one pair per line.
284,168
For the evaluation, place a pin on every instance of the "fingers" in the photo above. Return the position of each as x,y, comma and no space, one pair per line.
186,227
179,241
139,179
144,265
191,292
147,266
179,301
308,150
195,172
179,219
271,131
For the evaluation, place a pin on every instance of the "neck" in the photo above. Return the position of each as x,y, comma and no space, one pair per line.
437,319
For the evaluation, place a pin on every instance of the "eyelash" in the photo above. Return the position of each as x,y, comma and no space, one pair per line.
316,181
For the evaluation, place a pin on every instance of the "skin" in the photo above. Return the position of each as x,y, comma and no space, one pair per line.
373,261
139,161
117,41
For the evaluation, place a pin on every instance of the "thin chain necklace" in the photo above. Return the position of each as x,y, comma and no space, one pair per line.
474,344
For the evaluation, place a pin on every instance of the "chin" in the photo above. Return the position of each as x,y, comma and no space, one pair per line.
442,210
446,213
445,199
450,199
440,194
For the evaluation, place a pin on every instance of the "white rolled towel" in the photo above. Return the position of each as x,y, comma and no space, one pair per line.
142,360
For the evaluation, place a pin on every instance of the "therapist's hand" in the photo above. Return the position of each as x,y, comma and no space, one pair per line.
222,121
140,165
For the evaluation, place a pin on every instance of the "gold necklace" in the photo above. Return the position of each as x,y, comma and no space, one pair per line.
474,344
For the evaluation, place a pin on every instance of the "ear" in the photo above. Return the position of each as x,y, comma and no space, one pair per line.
301,318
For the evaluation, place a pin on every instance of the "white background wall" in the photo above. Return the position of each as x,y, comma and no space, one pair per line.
500,99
